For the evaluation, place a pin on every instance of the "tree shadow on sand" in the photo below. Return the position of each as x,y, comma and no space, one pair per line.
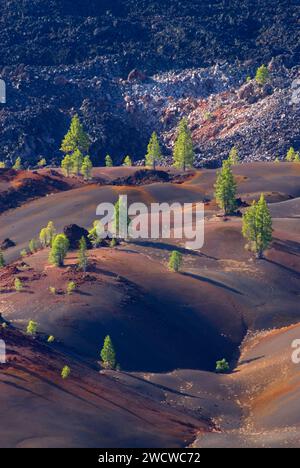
212,282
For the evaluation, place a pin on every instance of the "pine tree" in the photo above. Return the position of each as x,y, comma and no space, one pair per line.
108,354
82,255
154,154
47,234
31,328
2,261
222,366
42,163
43,236
71,287
257,226
77,161
76,138
175,261
18,164
121,219
290,156
262,75
60,247
234,156
86,168
18,285
108,161
33,246
225,189
127,161
67,165
183,154
95,234
65,373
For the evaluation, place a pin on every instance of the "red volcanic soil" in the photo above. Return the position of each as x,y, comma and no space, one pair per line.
88,409
168,329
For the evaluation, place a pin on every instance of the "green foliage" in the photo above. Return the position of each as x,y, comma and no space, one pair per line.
51,339
32,328
23,253
2,165
154,154
225,189
183,154
233,156
119,221
277,160
71,287
2,261
77,162
95,234
127,161
208,116
108,354
65,373
222,366
33,246
18,285
67,165
86,168
108,161
42,163
52,290
82,255
257,226
262,75
248,79
113,243
292,156
175,261
59,249
18,164
76,139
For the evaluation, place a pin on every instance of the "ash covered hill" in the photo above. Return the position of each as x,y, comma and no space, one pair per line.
61,57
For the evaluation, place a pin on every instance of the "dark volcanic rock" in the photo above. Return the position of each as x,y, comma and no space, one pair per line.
143,177
7,244
74,233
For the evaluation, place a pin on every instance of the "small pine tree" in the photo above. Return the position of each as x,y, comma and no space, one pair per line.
127,161
225,189
175,261
262,75
18,164
120,220
95,234
18,285
297,158
86,168
2,165
66,372
52,290
51,339
290,156
43,236
42,163
76,139
82,255
257,226
33,246
183,154
2,261
67,165
154,154
234,156
51,233
71,287
23,253
108,354
277,160
108,161
32,328
59,249
222,366
77,161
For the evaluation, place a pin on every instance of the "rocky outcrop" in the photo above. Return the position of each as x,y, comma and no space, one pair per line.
74,233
